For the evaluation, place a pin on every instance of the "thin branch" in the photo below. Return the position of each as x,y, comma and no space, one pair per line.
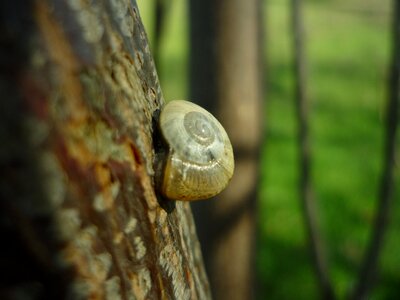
369,266
159,20
306,193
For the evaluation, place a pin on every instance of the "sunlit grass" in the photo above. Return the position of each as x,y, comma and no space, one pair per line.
347,56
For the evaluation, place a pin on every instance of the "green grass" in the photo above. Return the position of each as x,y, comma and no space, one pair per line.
347,48
347,54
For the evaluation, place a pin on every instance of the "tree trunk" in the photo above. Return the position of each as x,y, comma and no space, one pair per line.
226,78
307,198
370,263
79,215
161,9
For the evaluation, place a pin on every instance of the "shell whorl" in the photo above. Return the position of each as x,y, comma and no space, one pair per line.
200,160
199,127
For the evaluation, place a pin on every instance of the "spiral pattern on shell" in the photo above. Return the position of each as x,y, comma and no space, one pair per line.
200,157
199,128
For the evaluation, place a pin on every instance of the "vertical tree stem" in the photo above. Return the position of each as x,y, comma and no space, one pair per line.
306,194
369,266
225,71
159,18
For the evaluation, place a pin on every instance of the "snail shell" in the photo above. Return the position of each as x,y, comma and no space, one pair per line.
199,163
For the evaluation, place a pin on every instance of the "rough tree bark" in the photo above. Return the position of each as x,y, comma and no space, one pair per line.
226,78
79,216
305,157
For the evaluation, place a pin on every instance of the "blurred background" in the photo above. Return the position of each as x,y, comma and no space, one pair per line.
347,49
